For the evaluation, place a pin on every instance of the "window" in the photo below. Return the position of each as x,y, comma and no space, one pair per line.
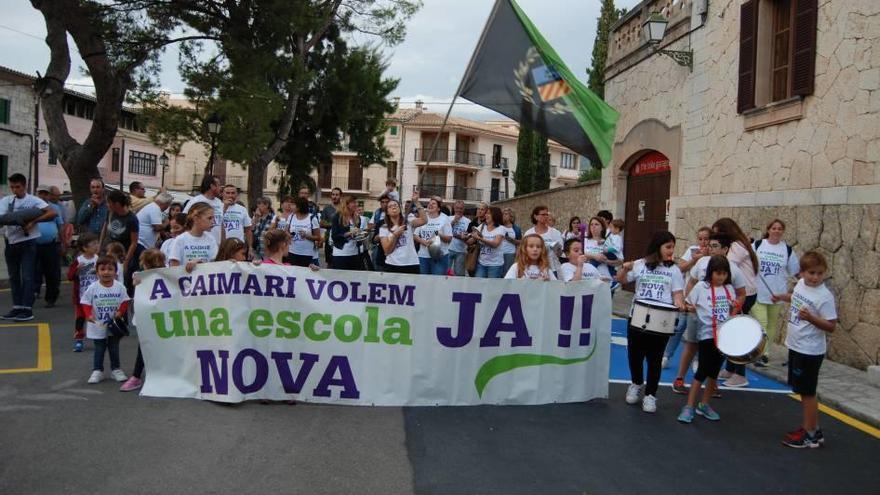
53,157
393,130
391,169
142,163
4,168
781,57
5,108
568,161
114,162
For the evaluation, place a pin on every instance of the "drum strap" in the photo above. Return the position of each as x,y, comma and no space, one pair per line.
730,302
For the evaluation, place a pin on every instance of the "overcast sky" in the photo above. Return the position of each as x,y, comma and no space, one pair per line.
430,62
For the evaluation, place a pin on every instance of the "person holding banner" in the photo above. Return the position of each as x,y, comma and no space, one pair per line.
531,260
196,245
396,237
658,280
305,232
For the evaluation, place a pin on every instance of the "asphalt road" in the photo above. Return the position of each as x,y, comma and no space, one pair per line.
60,435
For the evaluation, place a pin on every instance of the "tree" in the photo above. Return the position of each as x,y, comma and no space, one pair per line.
608,15
541,163
524,175
590,174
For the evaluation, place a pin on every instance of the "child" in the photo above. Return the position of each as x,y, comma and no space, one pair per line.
811,316
532,261
615,236
232,249
580,269
277,246
82,274
196,245
150,259
391,190
175,228
714,301
103,301
657,280
117,251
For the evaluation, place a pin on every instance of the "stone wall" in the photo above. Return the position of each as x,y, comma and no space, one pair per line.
848,237
564,202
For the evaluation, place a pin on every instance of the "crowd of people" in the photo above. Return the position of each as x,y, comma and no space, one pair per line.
725,274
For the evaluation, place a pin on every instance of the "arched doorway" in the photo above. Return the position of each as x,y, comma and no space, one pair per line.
647,202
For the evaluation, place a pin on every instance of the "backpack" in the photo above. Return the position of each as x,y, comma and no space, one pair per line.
787,247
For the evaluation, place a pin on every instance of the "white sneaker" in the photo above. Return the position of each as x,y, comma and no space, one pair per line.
96,376
649,404
633,392
664,363
118,375
724,375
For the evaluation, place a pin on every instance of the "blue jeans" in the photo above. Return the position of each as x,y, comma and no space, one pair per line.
430,266
509,260
111,343
457,260
21,259
484,271
675,338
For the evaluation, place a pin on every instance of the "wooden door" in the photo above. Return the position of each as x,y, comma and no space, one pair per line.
647,203
355,175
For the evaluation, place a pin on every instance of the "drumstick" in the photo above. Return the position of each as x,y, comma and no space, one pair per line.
765,284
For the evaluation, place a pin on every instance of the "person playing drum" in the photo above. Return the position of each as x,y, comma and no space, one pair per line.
658,281
714,301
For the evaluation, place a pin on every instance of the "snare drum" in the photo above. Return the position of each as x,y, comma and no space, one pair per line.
654,317
742,339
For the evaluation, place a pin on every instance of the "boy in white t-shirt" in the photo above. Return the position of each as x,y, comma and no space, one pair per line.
811,316
104,300
236,221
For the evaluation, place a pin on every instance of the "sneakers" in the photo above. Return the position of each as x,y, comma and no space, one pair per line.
118,375
706,411
819,436
736,381
724,375
800,439
78,345
633,393
24,314
133,383
679,387
11,315
686,415
664,363
649,404
96,376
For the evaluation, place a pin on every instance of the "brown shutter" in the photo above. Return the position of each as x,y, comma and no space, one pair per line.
355,175
748,45
804,47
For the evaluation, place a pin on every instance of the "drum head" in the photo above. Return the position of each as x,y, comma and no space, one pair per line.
739,335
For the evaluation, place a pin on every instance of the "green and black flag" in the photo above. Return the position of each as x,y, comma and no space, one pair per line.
515,72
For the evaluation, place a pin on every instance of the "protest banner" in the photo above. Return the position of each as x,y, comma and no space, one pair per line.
234,331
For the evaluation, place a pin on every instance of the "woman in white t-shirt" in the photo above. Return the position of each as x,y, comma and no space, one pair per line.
396,237
777,263
196,245
304,233
743,256
283,217
658,280
531,261
346,225
512,238
458,247
490,263
552,237
574,229
601,254
438,225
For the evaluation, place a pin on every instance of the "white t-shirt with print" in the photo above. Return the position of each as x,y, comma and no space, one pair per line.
740,255
440,224
615,241
149,216
588,272
532,272
592,246
299,245
404,253
508,247
776,267
105,301
235,220
698,272
85,272
350,248
188,247
655,285
491,256
167,249
217,205
460,227
701,297
803,336
11,203
281,222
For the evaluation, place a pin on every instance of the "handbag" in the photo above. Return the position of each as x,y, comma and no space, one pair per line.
473,254
118,327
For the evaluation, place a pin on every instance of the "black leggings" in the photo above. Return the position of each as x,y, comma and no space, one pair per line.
347,263
641,346
740,369
138,365
710,359
298,260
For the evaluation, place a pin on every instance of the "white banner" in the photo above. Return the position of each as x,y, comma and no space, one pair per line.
233,331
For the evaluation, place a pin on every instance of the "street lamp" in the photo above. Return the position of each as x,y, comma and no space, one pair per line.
213,125
655,28
44,146
163,162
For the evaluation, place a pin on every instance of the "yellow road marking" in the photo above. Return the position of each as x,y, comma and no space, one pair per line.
44,348
844,418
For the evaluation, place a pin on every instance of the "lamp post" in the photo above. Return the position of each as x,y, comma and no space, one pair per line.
655,28
163,162
213,125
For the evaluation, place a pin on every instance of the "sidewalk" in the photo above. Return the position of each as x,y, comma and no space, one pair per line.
840,387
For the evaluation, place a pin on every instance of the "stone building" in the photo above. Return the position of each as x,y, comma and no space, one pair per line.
17,126
780,117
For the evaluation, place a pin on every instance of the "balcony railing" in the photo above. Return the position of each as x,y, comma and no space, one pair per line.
451,156
496,195
238,181
345,183
450,193
499,164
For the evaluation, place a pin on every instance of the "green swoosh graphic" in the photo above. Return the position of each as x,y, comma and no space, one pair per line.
502,364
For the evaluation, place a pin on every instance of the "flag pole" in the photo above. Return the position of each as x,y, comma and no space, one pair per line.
464,78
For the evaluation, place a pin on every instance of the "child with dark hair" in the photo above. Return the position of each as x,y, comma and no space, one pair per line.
82,274
104,300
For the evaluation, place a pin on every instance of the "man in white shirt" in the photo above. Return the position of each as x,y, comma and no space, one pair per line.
21,247
236,221
210,190
152,220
